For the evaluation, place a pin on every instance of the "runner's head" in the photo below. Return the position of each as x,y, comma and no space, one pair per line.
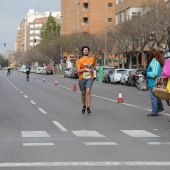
85,50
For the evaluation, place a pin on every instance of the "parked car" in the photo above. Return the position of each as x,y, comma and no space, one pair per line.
133,76
72,73
49,70
124,77
107,74
39,70
115,77
66,72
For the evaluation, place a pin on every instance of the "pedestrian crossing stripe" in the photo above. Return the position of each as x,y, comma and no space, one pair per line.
100,143
27,134
84,133
139,133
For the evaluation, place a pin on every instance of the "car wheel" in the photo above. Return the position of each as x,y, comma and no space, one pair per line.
113,81
133,83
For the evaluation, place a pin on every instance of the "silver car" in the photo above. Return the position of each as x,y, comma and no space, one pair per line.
124,77
115,77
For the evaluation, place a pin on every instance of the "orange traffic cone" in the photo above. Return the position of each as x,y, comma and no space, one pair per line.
43,80
74,87
34,77
120,100
56,83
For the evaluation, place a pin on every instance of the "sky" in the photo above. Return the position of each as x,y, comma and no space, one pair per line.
12,13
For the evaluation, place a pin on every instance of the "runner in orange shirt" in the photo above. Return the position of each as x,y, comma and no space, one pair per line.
85,67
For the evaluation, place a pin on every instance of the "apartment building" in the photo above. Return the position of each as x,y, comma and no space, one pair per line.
30,28
87,16
167,2
128,9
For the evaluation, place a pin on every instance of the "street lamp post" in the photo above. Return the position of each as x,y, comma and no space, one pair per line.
62,69
105,34
156,34
78,21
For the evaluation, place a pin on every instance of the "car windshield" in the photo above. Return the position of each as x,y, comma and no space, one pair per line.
139,71
111,71
121,71
67,69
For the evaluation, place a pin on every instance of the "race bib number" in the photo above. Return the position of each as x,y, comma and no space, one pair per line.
86,75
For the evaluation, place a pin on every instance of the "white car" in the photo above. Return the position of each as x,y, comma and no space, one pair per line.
124,77
115,77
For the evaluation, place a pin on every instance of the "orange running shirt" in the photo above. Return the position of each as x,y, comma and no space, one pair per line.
83,63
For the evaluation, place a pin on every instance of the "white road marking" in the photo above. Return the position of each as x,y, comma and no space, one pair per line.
32,102
83,164
38,144
60,126
100,143
36,134
41,110
84,133
26,96
158,143
139,133
142,94
21,92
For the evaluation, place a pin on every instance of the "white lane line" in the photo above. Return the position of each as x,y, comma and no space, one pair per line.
32,102
84,133
139,133
158,143
36,134
26,96
83,164
100,143
121,103
142,94
60,126
41,110
21,92
38,144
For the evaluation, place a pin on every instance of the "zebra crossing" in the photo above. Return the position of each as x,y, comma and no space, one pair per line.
145,136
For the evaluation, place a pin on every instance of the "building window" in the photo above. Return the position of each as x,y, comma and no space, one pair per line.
85,6
109,19
85,21
117,1
110,4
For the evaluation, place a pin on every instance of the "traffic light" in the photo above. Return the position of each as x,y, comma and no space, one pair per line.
65,59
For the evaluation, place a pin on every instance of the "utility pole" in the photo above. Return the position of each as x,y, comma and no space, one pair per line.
105,33
78,21
156,33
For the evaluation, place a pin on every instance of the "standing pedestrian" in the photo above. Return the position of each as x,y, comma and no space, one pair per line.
8,71
85,67
154,70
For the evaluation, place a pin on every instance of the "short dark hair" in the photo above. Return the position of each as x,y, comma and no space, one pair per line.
85,47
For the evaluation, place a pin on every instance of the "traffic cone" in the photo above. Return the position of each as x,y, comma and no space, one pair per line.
43,80
56,83
120,100
34,77
74,87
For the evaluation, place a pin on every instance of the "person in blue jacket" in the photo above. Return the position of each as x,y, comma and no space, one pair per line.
154,70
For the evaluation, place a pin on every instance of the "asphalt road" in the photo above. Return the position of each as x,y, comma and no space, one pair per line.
42,128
